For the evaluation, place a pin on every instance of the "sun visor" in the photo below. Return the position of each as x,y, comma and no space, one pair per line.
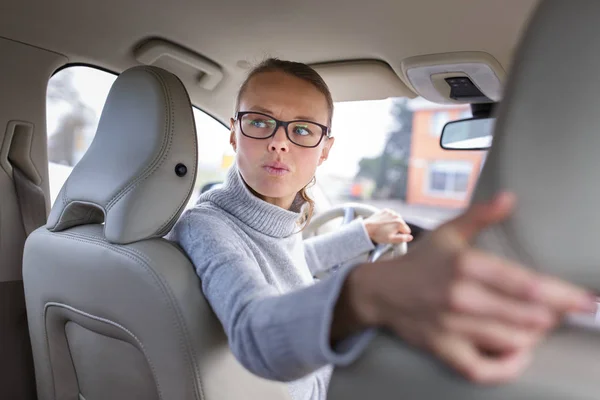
362,80
455,78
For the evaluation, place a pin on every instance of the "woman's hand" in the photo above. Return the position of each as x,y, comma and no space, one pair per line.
479,313
387,226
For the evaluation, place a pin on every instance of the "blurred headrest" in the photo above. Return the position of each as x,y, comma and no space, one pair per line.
140,169
546,146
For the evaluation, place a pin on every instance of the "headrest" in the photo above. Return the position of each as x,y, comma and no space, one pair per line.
546,147
140,169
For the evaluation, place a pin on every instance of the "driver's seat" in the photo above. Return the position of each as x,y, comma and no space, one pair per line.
115,311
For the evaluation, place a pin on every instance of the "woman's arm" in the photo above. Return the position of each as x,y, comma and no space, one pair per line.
328,250
279,337
444,296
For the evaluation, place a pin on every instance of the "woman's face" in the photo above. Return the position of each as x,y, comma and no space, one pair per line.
275,168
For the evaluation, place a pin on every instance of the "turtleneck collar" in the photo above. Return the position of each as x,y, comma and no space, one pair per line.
237,199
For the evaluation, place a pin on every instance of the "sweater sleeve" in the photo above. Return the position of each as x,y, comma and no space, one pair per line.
276,336
326,251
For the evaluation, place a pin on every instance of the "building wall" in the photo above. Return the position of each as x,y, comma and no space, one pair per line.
427,156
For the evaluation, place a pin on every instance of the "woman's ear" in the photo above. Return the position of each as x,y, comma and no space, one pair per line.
325,151
232,139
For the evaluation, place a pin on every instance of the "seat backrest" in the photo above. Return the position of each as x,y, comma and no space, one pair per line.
115,311
545,150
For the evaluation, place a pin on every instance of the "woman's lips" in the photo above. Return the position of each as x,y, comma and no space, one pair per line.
276,168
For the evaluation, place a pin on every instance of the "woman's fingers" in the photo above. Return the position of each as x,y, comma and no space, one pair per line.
402,227
386,226
400,238
491,335
472,298
510,278
519,282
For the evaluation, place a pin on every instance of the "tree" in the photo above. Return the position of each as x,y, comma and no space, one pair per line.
61,145
390,169
369,167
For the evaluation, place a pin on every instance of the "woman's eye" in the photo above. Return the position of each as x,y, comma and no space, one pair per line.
260,123
302,130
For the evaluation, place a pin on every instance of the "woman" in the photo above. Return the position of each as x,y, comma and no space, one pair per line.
479,314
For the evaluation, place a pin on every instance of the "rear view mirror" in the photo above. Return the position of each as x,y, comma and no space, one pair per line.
468,134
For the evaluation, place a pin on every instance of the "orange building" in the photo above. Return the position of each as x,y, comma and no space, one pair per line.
438,177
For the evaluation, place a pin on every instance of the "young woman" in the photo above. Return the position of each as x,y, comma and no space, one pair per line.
479,314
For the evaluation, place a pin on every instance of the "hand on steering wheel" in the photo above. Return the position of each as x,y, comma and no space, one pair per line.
349,212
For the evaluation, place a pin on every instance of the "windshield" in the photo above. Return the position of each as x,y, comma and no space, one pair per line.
387,154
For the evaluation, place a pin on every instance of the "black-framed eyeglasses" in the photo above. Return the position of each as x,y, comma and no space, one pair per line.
257,125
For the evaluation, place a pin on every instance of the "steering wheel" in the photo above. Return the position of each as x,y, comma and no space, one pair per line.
349,212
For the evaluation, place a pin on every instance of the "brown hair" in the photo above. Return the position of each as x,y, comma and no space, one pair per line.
308,74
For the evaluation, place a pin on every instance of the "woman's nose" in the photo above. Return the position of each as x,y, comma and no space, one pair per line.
279,142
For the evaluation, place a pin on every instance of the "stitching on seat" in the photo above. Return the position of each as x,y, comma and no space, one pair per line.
160,158
169,223
143,261
64,194
107,321
43,316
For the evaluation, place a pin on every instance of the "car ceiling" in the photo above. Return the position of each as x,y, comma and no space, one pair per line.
106,33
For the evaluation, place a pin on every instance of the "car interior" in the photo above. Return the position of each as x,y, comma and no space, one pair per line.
96,304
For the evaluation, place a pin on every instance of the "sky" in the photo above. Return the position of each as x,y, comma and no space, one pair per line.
360,128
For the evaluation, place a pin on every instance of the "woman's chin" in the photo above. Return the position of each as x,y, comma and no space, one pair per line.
275,190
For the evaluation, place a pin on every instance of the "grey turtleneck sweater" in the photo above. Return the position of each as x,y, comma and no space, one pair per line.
257,274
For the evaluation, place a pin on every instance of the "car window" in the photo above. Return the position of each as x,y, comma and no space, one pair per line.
387,153
75,98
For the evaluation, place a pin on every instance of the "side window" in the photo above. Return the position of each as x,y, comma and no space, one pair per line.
74,102
215,154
